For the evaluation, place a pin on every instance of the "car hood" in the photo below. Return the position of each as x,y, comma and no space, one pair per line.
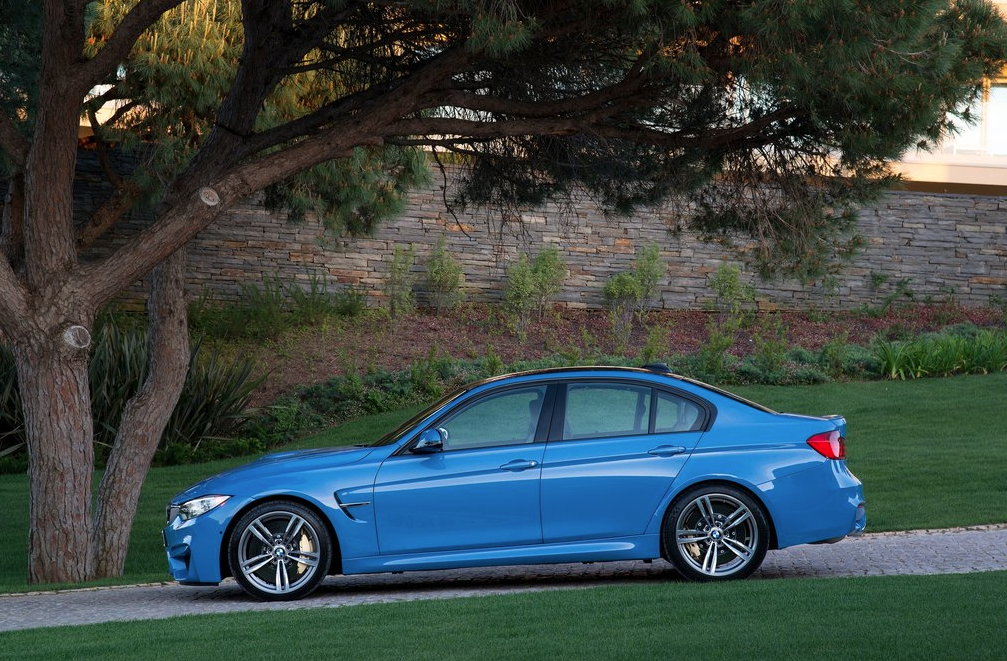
284,463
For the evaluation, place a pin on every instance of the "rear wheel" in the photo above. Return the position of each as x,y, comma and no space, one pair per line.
279,551
716,532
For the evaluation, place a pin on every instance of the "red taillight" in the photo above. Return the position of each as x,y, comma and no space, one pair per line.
829,444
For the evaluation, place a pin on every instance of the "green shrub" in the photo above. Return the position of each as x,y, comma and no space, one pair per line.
656,344
735,299
649,269
400,282
214,398
444,278
900,291
628,294
260,310
257,314
622,294
942,355
519,294
492,365
532,284
770,341
311,306
713,358
549,272
350,301
802,356
266,310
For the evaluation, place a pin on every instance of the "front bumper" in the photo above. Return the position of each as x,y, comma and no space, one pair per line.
193,548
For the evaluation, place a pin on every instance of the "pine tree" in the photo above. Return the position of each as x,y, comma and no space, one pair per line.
771,118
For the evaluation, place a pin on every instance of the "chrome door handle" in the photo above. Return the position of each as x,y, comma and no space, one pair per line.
518,465
666,450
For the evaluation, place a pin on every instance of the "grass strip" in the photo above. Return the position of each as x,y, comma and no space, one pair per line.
883,618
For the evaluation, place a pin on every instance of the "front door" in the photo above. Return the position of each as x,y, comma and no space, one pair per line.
481,490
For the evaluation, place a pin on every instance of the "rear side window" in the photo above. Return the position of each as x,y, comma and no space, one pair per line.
596,410
674,414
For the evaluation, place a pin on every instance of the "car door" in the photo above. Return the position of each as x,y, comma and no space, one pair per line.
480,490
615,449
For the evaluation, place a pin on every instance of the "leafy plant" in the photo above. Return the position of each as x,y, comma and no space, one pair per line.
400,282
350,301
549,272
770,341
735,298
628,294
656,344
532,284
309,307
622,294
444,278
901,291
519,294
943,355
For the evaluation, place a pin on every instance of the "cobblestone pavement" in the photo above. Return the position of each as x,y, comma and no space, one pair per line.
951,551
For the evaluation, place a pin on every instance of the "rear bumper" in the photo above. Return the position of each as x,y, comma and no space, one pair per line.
822,504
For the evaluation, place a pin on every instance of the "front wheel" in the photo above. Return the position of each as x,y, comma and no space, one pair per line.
279,551
716,533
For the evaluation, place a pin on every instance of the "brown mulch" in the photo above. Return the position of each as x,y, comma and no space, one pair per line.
375,341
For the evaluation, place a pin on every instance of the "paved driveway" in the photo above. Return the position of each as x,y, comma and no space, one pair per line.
953,551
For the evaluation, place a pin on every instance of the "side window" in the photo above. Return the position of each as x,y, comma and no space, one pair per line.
507,418
676,414
597,410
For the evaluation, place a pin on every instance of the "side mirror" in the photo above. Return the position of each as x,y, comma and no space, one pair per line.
430,441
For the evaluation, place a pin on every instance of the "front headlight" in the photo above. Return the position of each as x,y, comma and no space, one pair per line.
190,509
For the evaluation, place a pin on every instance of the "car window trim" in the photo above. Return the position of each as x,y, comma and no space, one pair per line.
556,428
541,430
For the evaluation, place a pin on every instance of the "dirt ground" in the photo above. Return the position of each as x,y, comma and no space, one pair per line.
373,340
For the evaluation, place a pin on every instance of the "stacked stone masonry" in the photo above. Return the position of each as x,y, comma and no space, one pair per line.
943,246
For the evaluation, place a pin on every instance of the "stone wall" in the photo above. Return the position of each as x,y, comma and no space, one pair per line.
942,245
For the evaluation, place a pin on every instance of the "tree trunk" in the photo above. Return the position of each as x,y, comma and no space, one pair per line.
52,376
144,418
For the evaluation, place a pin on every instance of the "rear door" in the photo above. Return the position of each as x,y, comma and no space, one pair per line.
613,453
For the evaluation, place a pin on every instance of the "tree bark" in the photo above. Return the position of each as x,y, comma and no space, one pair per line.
52,377
12,222
144,419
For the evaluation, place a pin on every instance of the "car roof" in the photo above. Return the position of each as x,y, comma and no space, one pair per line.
652,369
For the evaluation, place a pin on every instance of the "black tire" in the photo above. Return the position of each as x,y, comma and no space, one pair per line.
279,551
715,533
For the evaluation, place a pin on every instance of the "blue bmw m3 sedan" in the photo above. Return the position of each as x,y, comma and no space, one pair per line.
562,465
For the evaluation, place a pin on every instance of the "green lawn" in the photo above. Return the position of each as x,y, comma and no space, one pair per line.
930,453
883,618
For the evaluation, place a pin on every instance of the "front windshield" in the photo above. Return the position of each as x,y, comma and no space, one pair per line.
407,426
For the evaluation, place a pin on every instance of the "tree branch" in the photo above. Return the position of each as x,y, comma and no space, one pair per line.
413,86
440,130
125,194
